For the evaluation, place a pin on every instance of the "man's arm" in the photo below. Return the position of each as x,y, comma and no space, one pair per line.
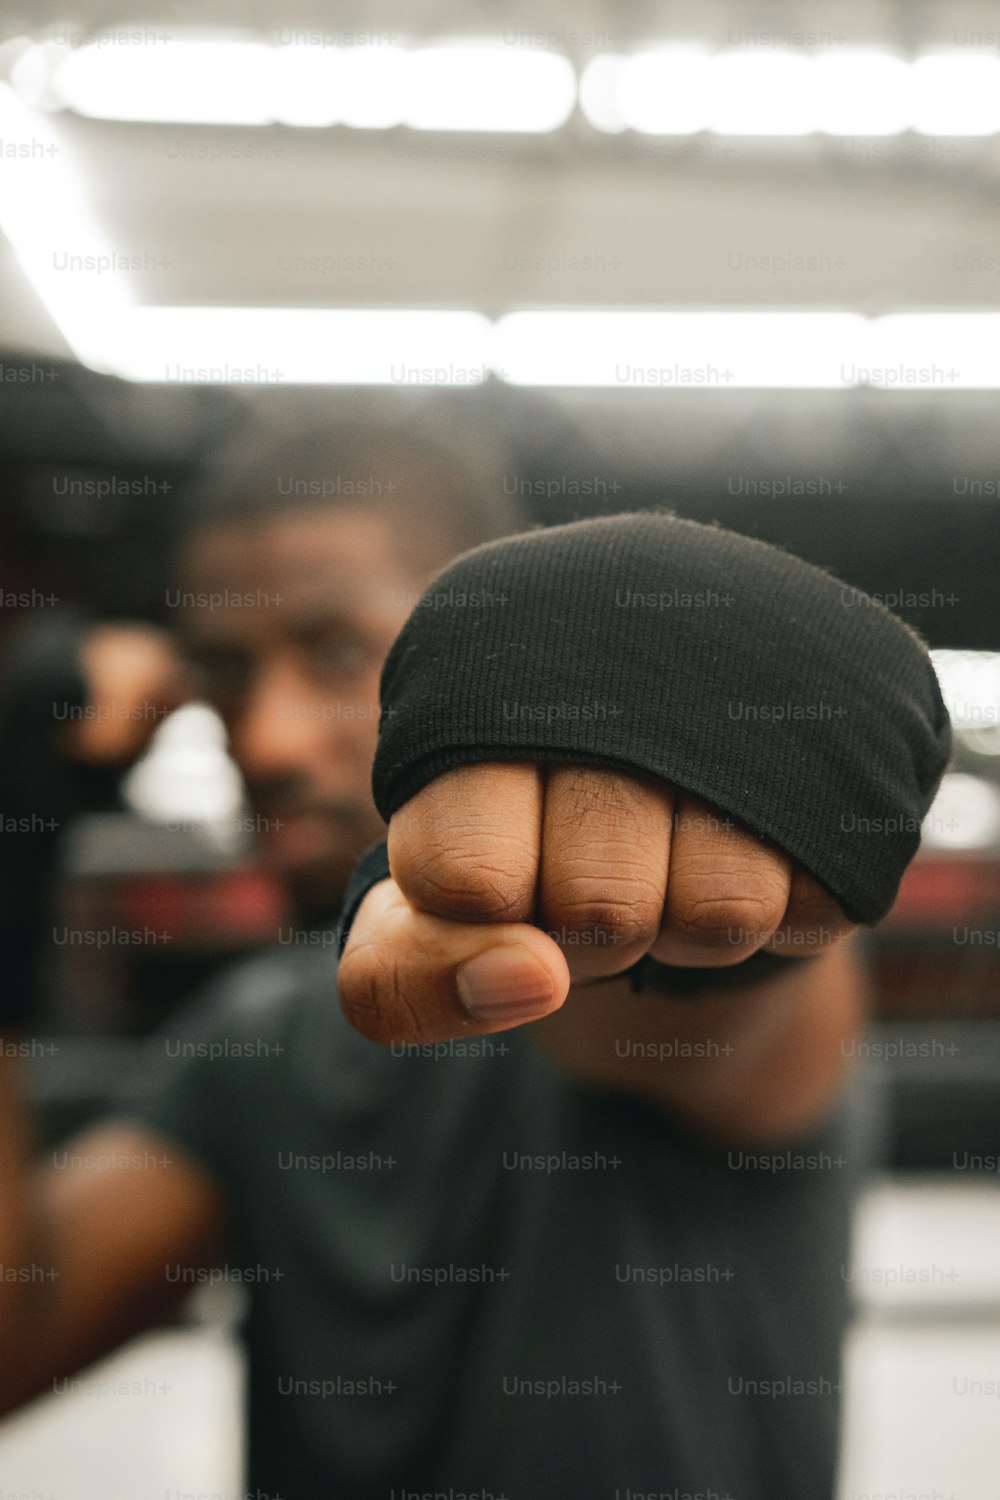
86,1238
528,765
741,1067
521,894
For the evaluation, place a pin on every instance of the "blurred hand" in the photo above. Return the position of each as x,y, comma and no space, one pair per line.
510,882
135,678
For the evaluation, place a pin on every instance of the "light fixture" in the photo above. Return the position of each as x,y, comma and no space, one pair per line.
470,87
859,93
300,345
600,92
936,351
46,218
955,93
659,351
665,91
180,81
679,90
189,79
759,93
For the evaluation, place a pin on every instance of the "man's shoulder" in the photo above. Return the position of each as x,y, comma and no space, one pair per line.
271,990
236,1054
247,1025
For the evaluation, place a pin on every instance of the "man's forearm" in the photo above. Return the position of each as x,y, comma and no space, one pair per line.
27,1275
740,1066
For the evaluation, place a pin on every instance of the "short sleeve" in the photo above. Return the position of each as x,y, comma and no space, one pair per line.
207,1077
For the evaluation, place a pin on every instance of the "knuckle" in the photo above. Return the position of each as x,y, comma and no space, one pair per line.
727,919
467,887
615,913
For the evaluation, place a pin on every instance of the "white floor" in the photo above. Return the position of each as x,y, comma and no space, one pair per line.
161,1421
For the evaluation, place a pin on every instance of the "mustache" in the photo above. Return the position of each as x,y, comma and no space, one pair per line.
289,801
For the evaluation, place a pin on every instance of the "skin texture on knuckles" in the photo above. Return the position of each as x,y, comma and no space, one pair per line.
577,871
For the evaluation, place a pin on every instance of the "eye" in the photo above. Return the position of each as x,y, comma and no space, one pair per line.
222,677
341,655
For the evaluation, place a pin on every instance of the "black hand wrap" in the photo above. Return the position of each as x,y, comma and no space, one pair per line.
727,667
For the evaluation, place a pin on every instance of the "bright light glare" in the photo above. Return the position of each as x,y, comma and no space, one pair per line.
665,91
274,345
860,93
453,86
489,88
364,87
31,74
965,814
376,83
681,90
45,216
663,350
184,82
760,94
486,86
970,685
631,350
939,351
186,775
600,92
956,94
308,85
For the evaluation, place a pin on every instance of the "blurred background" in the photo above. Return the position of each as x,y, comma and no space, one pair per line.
743,259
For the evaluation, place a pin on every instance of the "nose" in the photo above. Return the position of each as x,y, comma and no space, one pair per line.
278,730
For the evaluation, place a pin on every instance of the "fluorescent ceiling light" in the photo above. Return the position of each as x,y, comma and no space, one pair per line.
679,350
46,218
681,90
940,351
365,87
956,94
375,84
630,350
489,88
452,86
308,85
665,91
765,93
280,345
859,93
183,82
600,92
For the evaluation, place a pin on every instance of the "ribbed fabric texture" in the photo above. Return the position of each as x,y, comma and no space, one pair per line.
721,664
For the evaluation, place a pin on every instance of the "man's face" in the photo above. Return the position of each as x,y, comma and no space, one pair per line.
311,602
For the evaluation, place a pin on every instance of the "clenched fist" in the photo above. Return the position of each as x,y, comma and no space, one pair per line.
513,881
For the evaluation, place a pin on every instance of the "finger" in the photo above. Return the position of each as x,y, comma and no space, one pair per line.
603,879
408,977
466,847
727,890
814,919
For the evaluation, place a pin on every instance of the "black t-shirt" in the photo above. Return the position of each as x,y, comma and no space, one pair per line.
469,1275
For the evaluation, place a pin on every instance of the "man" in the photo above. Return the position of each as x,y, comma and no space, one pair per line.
513,1221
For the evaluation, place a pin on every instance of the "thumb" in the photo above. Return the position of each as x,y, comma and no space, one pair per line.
408,977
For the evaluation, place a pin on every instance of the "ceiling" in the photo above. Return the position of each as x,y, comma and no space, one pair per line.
401,218
341,218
